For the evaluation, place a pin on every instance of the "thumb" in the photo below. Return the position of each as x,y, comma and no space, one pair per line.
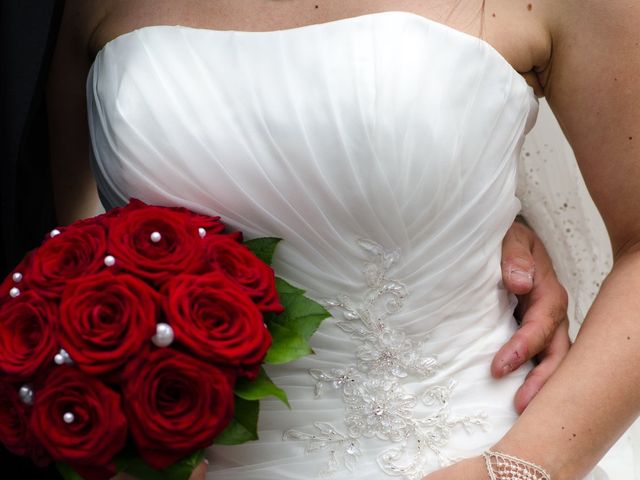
517,259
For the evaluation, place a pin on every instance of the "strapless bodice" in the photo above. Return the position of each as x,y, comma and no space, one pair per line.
395,129
382,149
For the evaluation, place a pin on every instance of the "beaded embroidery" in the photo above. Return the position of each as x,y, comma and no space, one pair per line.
377,404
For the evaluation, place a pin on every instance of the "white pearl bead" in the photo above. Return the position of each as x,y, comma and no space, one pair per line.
17,277
26,394
164,335
109,261
14,292
202,232
62,357
68,417
156,237
54,233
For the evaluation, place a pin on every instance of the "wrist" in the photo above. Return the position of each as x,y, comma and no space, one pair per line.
501,466
553,464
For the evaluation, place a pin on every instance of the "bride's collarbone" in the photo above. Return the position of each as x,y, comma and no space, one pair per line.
514,29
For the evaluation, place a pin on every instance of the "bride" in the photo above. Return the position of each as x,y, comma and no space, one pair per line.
379,139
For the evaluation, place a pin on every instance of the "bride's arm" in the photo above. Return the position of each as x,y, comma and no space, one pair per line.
73,184
593,86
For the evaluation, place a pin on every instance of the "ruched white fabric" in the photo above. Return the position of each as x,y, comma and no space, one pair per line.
382,149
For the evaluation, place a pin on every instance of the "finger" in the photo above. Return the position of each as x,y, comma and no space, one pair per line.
539,325
200,471
546,310
553,356
518,265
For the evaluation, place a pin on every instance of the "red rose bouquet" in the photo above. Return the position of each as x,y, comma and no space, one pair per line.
133,340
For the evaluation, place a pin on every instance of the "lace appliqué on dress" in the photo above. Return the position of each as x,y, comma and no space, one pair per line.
377,404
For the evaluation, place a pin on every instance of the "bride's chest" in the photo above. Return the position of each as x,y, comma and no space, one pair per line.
381,103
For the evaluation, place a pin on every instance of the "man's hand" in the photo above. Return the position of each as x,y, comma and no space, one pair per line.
542,312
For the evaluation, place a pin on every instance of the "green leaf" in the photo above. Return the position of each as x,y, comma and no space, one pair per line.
301,314
292,329
263,248
260,388
243,426
181,470
285,288
286,345
67,472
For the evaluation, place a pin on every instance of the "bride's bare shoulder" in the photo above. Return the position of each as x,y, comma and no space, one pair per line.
92,23
104,20
79,20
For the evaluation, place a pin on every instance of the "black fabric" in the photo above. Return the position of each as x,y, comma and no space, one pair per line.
28,29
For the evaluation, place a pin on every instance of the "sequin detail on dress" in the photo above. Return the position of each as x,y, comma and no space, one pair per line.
377,404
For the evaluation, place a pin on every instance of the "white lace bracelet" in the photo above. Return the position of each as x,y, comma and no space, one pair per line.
505,467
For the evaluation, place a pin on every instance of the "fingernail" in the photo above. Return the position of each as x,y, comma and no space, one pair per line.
521,276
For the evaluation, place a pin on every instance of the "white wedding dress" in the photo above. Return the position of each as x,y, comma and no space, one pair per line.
383,150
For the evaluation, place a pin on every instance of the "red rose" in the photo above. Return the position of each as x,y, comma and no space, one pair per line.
175,405
211,225
217,321
106,319
13,420
239,263
100,220
15,279
14,427
27,336
79,250
37,453
79,421
9,280
155,243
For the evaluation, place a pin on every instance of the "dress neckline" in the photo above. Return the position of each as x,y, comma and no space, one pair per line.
347,20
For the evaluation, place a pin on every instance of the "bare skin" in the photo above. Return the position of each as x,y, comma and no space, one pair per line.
520,33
